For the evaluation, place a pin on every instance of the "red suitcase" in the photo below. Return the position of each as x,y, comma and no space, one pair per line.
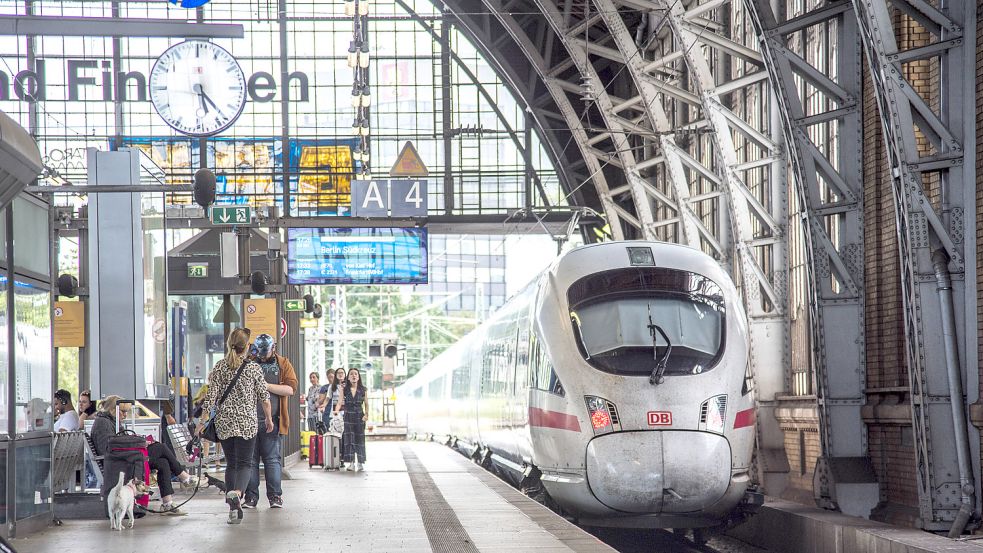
315,452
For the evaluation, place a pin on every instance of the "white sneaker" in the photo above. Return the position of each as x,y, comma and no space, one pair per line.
358,467
346,468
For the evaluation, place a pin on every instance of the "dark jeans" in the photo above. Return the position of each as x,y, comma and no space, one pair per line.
163,460
238,461
267,449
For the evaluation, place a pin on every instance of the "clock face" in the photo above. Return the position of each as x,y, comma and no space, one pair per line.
198,88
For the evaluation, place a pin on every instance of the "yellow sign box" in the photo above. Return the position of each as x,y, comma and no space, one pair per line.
261,317
69,330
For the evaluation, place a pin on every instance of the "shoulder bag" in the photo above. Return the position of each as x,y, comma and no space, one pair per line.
210,432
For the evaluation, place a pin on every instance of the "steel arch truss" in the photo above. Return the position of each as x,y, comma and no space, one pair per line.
818,91
924,91
669,104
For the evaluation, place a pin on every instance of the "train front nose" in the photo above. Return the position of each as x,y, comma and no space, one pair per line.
658,471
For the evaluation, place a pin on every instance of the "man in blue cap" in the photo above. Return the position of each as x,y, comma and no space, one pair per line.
281,381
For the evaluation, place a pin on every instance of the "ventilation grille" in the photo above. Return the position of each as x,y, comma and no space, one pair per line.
613,411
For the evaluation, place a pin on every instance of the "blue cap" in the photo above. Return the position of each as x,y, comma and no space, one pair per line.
264,344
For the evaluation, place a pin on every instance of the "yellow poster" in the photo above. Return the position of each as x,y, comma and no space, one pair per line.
261,317
69,324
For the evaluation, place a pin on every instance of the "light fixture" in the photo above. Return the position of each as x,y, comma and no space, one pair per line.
349,7
353,53
363,7
366,96
356,96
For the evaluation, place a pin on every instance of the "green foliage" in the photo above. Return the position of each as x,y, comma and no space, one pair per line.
426,331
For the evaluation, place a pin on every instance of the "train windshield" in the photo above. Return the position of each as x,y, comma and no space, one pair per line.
621,319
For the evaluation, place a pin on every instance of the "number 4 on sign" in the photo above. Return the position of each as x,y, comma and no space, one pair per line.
409,198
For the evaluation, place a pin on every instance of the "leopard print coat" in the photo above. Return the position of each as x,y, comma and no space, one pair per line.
237,415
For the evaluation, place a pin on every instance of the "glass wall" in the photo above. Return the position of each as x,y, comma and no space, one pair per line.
32,489
294,135
25,423
32,356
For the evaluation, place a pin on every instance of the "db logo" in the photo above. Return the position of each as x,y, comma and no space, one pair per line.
660,418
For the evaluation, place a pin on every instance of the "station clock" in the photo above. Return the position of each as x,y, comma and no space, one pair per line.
198,88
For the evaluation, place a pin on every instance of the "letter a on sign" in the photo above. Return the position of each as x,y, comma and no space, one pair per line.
373,195
408,163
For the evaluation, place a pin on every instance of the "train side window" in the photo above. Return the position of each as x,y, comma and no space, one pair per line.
533,362
555,387
418,393
748,380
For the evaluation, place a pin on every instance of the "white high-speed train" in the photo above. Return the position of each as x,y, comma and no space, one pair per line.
615,387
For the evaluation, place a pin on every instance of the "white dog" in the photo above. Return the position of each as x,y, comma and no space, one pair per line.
121,499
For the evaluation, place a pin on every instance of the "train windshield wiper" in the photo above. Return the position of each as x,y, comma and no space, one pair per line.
655,330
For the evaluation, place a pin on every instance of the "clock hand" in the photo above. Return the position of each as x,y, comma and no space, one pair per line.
201,97
206,98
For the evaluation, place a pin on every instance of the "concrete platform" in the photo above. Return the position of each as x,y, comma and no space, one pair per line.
786,527
413,497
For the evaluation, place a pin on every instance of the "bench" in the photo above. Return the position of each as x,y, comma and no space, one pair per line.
67,460
180,437
94,461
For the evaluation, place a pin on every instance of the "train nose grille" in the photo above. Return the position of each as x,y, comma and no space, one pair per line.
658,471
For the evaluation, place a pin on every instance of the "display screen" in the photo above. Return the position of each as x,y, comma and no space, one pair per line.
357,256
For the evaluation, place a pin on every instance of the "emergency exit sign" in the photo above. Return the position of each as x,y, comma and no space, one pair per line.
238,215
294,305
197,270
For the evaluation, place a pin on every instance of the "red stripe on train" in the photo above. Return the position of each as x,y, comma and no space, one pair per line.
744,418
553,419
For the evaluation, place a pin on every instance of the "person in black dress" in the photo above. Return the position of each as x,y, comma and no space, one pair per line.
354,405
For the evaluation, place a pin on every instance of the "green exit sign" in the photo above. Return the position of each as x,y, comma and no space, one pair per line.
293,305
237,215
197,271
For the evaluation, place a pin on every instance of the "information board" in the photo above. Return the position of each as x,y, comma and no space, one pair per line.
357,256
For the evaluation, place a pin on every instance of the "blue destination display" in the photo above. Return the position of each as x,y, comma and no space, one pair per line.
356,256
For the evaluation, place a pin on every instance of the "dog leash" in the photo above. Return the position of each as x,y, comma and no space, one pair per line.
193,494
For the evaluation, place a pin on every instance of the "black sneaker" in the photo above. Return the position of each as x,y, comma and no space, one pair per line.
276,502
250,503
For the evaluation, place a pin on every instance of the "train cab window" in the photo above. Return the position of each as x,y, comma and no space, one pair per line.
622,319
418,393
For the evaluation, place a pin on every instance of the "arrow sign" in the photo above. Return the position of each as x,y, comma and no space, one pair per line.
293,305
231,215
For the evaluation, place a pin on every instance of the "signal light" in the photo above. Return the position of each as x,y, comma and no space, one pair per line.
601,419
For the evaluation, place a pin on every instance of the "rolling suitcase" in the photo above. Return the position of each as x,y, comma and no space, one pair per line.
315,451
332,451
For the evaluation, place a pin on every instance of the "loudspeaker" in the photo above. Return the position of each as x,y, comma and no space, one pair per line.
68,286
317,311
204,187
308,303
258,282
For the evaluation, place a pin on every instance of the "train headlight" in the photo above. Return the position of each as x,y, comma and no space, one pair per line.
713,413
603,415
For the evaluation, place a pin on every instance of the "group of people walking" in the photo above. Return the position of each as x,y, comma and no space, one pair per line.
343,398
245,400
247,391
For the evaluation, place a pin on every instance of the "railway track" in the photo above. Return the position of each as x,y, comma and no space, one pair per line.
662,541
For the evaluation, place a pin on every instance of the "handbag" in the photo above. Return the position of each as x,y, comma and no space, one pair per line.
210,432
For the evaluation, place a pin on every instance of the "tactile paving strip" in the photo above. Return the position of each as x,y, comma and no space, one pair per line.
444,529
